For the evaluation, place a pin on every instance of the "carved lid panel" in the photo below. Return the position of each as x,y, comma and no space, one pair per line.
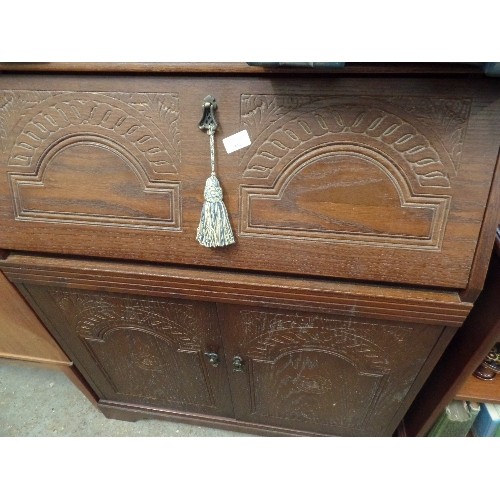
370,179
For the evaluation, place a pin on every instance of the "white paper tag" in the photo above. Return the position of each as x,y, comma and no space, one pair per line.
236,141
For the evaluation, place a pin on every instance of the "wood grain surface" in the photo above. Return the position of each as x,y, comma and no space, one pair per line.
242,68
363,211
465,353
438,307
22,335
380,179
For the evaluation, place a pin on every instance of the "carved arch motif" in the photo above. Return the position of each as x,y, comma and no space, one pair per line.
144,123
140,131
93,316
138,344
164,194
434,207
300,357
414,143
427,148
280,334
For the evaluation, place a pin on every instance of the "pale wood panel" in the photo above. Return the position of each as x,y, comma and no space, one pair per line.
22,336
483,391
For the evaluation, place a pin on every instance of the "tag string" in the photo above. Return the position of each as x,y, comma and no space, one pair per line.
211,132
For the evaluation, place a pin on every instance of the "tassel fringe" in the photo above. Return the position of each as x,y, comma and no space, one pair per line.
214,229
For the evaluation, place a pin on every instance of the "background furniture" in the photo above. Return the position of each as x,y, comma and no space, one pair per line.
22,335
453,376
363,213
23,338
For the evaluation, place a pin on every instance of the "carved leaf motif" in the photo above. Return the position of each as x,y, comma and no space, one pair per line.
258,112
13,106
162,109
282,125
448,117
91,315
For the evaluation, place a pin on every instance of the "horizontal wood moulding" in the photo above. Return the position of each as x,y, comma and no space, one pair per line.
113,409
329,296
240,67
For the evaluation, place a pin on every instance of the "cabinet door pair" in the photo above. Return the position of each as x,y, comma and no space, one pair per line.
312,372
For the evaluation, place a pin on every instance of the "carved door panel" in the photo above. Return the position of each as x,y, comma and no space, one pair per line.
322,373
140,350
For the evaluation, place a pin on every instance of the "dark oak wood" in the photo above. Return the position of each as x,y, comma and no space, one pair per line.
465,353
137,350
130,413
381,179
355,300
240,67
489,239
148,351
363,212
322,373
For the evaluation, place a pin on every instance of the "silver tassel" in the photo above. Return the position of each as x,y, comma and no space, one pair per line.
214,229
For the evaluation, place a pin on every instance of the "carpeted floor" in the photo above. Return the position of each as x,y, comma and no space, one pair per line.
36,401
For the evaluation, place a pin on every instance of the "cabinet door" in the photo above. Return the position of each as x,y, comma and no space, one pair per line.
140,350
322,373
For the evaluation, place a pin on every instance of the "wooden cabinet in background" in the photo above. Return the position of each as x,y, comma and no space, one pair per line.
362,212
22,335
453,378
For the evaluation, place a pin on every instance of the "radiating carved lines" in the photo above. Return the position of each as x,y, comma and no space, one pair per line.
280,127
100,114
14,105
280,334
286,353
93,315
436,207
157,336
162,109
447,117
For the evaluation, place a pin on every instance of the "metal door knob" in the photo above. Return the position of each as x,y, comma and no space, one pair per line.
213,358
238,364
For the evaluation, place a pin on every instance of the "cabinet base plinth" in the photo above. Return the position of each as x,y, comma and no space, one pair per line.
121,411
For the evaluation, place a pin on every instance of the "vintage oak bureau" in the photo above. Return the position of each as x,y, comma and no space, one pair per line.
363,213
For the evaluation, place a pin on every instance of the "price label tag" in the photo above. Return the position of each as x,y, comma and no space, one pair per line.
236,141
